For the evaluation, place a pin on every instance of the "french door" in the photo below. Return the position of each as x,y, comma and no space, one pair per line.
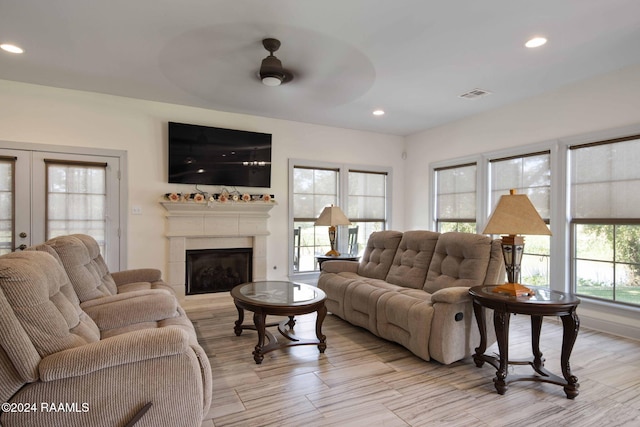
44,194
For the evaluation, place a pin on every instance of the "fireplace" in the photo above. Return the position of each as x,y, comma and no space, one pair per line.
197,226
217,270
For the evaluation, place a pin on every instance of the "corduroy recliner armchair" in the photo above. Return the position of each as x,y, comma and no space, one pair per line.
53,353
112,300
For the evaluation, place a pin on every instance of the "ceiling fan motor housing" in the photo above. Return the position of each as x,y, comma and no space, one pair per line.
271,71
271,67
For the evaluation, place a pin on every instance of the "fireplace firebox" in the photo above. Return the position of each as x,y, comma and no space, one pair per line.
217,270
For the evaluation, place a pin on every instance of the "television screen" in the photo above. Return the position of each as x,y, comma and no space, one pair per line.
215,156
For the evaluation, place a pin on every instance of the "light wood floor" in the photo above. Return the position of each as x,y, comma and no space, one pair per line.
363,380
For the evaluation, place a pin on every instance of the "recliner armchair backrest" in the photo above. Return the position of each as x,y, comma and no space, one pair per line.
81,258
39,315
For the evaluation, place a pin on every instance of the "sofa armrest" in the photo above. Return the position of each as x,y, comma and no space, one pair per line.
451,295
120,310
119,350
339,266
137,275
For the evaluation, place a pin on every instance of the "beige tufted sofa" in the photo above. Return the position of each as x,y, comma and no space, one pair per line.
412,288
131,354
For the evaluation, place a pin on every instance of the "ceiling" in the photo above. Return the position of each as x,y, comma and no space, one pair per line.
412,58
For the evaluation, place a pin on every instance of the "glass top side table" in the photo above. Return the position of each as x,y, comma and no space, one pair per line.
543,302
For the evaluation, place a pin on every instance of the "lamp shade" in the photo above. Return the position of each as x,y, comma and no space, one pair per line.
515,214
332,216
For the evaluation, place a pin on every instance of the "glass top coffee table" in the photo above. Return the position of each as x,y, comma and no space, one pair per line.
279,298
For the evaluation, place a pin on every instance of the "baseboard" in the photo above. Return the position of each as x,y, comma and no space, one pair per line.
613,319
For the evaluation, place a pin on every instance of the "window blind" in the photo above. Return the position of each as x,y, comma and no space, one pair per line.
529,174
605,179
456,193
313,189
367,196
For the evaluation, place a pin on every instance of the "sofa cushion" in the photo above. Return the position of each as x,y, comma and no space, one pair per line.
412,259
361,299
379,253
335,285
460,259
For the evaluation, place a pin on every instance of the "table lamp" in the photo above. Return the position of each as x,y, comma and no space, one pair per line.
332,216
514,215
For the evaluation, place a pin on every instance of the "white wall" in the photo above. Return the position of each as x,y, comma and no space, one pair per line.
45,115
604,102
591,106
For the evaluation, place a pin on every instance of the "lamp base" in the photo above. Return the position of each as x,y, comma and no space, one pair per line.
333,252
513,289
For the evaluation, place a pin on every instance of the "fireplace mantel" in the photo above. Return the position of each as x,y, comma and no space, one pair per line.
213,207
217,219
192,225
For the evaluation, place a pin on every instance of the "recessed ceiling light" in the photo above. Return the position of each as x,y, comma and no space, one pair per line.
378,112
535,42
11,48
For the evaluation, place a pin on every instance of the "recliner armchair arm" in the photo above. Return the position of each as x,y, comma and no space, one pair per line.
451,295
119,350
137,275
339,266
124,309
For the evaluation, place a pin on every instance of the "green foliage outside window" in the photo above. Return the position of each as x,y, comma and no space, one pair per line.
461,227
607,263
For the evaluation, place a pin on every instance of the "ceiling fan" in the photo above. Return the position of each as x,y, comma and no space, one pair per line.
271,71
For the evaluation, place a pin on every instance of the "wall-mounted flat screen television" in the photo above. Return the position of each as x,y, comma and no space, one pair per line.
216,156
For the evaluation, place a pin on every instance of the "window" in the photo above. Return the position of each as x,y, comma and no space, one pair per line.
361,194
54,190
367,207
7,205
605,220
528,174
456,198
313,189
76,199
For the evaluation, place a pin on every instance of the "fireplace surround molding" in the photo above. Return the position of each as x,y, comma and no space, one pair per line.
192,226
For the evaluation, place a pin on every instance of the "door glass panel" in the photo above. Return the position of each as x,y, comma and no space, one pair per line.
6,205
76,199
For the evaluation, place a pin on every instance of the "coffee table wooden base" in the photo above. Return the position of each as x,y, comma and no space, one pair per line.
285,328
279,298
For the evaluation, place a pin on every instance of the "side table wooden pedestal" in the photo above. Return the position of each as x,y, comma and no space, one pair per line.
543,302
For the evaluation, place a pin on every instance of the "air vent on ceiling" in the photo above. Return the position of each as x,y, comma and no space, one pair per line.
475,94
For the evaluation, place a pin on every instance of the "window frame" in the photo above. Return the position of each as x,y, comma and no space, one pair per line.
38,151
342,201
577,143
558,271
491,160
573,224
599,312
434,173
